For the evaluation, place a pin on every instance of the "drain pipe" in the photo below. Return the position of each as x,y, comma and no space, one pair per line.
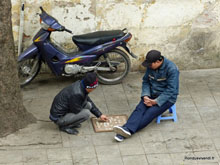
21,28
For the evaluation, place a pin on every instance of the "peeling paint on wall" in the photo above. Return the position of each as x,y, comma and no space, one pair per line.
187,32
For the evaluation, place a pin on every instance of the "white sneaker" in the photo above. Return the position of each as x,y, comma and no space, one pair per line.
119,138
122,131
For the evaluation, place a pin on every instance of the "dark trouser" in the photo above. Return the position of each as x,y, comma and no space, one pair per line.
71,119
143,115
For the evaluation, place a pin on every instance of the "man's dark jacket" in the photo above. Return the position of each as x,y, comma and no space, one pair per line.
72,99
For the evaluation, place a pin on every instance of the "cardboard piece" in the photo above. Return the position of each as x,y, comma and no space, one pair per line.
100,126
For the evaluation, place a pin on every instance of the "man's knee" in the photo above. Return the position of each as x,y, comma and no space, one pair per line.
85,113
60,122
88,106
141,106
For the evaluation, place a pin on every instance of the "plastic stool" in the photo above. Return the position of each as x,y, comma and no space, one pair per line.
173,117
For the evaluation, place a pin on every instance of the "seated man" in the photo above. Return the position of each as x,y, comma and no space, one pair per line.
159,92
72,105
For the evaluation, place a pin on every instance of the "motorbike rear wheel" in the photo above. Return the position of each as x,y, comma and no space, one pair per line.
120,66
28,70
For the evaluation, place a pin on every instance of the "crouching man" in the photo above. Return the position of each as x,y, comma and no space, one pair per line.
72,105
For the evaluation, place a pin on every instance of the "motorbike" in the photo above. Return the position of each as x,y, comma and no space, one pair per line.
103,52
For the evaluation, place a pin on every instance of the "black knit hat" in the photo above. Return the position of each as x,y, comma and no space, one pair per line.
90,80
152,56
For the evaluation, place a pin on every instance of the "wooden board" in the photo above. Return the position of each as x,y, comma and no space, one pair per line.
100,126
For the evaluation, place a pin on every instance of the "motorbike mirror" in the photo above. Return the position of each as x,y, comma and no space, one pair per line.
41,8
125,30
69,31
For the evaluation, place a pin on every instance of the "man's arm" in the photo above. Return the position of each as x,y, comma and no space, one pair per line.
145,85
172,87
94,109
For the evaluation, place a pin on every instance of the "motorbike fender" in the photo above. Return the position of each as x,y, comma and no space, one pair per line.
129,51
31,51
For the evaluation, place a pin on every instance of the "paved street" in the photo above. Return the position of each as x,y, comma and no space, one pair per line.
194,139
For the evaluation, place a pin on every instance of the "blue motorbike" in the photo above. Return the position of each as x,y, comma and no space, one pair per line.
97,51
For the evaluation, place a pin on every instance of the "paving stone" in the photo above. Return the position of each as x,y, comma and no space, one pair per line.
14,156
185,102
159,159
178,134
106,151
102,107
183,91
168,125
187,110
201,102
45,92
40,111
104,138
87,152
131,149
97,95
191,121
39,134
178,145
117,105
35,163
85,128
86,161
217,98
65,140
110,161
210,115
151,136
61,162
80,140
35,155
197,133
199,90
29,93
216,141
133,103
201,144
135,159
59,154
155,147
110,90
213,131
183,158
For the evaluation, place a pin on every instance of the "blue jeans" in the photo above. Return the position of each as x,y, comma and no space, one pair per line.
143,115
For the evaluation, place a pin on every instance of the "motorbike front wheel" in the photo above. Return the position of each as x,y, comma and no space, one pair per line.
119,64
28,70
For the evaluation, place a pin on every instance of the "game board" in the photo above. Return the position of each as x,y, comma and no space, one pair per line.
100,126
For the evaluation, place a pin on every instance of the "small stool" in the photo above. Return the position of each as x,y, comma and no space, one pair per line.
173,117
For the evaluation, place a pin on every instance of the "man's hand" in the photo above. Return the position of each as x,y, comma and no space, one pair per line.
103,118
149,102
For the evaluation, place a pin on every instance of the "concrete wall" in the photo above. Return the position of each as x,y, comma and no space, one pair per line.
185,31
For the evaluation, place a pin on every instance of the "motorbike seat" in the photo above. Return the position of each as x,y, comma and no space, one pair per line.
97,38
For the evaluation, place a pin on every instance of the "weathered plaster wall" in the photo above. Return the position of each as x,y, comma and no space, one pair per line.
187,32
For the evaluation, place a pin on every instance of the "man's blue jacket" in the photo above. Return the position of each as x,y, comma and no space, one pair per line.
162,84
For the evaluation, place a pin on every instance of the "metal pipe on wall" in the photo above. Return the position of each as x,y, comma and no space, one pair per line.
21,27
